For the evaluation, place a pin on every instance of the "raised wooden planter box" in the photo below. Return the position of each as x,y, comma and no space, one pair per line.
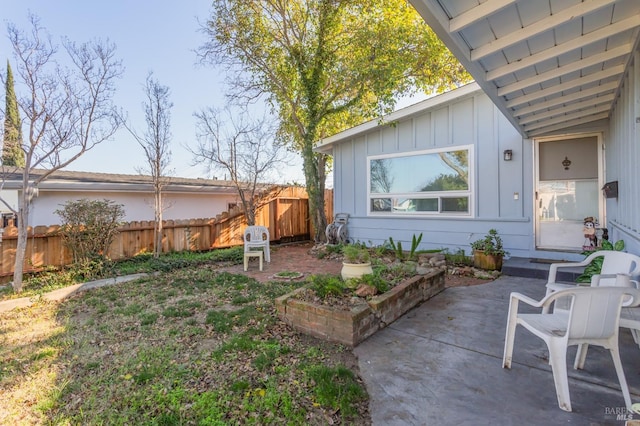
353,326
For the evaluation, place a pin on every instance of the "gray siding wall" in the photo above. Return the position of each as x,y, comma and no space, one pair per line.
623,161
472,120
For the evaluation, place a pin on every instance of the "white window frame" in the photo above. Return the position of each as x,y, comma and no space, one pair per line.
425,195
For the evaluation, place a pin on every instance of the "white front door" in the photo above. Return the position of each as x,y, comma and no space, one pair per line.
567,191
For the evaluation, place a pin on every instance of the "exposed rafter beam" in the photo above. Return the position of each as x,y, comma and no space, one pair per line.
567,117
568,46
477,13
569,109
576,82
539,27
566,69
568,124
560,100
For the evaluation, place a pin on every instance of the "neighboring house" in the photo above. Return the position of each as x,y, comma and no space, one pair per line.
553,118
183,198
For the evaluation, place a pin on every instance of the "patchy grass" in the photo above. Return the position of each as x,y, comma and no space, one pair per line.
192,346
53,279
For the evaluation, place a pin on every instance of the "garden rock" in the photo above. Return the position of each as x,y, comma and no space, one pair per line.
365,290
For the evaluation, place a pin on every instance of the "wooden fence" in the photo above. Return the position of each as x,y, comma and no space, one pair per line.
285,212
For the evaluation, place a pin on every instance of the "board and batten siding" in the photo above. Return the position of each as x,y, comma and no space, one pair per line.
473,120
623,161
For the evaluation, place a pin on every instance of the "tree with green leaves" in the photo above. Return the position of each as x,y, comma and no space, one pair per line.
12,153
324,66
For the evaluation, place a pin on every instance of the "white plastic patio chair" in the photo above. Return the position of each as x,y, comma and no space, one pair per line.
613,264
257,237
592,318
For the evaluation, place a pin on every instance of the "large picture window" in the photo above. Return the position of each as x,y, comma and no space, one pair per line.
423,183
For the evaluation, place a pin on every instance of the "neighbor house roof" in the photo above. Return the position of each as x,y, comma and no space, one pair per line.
547,65
63,180
326,144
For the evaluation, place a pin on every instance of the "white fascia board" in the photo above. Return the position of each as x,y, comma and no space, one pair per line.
325,145
69,186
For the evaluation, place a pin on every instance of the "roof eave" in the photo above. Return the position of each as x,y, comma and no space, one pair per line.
457,46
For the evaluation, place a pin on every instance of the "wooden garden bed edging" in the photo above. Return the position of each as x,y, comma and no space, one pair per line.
350,327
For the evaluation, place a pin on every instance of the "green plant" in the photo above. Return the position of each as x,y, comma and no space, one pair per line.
397,248
595,266
375,280
491,244
325,285
415,242
458,257
354,253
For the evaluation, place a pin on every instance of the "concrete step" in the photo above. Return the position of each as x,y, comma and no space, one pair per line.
538,268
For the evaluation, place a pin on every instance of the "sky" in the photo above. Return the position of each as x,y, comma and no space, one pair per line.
158,36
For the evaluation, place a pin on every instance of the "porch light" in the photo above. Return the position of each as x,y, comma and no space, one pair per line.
507,155
566,163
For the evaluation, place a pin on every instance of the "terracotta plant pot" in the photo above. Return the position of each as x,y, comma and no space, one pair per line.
355,270
487,262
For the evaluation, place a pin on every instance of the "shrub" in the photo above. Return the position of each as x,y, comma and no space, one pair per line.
89,227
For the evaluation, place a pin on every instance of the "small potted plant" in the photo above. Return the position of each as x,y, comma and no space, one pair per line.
356,263
488,252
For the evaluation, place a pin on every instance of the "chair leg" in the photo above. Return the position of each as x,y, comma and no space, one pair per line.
558,361
512,322
615,354
581,356
545,309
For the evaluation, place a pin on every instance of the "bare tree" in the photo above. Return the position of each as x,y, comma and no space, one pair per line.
155,142
245,149
67,110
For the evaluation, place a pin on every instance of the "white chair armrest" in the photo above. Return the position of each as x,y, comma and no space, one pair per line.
557,286
553,269
621,280
526,299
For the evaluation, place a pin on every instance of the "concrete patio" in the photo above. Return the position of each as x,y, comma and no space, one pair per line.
441,364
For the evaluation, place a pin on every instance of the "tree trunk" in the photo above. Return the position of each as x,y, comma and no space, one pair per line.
24,204
314,168
157,246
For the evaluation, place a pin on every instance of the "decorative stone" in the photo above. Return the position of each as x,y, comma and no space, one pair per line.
365,290
421,270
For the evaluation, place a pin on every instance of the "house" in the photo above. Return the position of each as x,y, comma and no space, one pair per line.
184,198
547,136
